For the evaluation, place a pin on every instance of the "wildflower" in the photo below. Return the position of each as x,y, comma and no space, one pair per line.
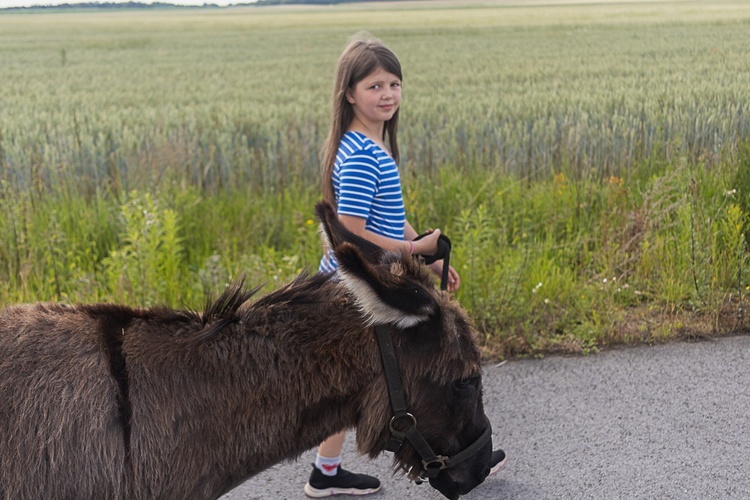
309,222
730,193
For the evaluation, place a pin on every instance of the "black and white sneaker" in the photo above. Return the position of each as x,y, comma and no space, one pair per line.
343,483
497,462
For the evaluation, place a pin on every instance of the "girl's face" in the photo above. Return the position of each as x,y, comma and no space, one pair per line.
375,98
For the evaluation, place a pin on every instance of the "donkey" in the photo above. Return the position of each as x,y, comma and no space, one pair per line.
107,401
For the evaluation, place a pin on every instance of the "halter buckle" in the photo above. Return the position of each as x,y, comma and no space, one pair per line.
434,465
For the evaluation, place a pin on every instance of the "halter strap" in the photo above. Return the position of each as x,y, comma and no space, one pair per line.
432,463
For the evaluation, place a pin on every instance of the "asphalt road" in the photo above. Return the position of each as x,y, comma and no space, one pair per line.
659,422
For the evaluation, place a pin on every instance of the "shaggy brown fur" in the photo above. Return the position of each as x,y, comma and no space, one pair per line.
105,401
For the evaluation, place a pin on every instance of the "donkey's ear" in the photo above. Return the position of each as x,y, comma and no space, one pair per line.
335,234
389,293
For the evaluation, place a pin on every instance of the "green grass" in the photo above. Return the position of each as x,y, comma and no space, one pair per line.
589,161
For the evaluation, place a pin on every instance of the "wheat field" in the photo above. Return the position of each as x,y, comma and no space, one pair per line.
149,156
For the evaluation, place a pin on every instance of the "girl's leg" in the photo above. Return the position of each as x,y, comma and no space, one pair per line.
331,447
329,454
328,478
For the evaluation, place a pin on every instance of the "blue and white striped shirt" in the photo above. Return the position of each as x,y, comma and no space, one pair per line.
367,184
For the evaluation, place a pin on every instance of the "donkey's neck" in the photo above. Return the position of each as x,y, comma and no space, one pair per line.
296,375
322,359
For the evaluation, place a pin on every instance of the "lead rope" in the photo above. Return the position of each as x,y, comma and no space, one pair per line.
443,252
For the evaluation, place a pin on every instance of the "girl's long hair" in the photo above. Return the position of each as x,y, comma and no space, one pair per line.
362,56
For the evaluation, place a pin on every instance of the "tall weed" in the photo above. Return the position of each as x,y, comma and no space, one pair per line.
144,268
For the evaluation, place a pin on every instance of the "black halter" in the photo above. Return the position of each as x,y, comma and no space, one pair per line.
432,464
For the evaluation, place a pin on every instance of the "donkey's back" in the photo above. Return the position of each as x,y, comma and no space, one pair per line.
61,432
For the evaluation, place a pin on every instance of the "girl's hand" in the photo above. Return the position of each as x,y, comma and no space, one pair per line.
427,245
454,280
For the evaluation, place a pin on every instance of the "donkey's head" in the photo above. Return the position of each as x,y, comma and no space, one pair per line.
438,360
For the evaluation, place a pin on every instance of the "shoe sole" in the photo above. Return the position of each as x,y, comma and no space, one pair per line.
329,492
498,467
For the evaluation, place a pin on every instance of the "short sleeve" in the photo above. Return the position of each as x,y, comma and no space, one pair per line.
359,178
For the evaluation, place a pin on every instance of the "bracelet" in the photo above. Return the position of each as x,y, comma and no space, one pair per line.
411,252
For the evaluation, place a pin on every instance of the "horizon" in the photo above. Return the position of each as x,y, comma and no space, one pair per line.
9,4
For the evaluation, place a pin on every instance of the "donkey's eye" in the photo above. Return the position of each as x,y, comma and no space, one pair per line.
466,383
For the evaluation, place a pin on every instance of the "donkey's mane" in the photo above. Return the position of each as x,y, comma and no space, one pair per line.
296,292
225,306
217,314
233,305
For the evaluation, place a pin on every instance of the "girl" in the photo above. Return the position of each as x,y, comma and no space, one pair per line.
361,178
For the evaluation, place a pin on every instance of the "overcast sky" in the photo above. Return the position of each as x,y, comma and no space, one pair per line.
29,3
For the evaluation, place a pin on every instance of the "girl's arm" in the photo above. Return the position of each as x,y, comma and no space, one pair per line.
409,232
426,246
